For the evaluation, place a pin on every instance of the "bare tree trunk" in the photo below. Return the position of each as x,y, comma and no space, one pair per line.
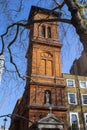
80,24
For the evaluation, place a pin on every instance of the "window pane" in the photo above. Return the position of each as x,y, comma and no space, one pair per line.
86,119
70,83
49,32
82,84
74,121
74,118
43,31
84,99
72,98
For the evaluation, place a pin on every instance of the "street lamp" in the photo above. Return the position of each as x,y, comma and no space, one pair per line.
5,119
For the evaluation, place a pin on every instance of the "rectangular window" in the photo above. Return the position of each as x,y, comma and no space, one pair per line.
74,120
83,84
72,98
85,119
84,99
70,82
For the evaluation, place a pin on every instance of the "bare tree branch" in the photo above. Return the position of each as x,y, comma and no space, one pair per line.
25,24
51,20
59,5
3,35
20,7
2,51
11,58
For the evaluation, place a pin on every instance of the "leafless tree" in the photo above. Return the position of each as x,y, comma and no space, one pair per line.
14,30
13,34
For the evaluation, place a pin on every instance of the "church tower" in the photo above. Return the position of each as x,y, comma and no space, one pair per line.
43,99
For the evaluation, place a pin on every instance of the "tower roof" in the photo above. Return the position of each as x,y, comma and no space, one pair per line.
35,9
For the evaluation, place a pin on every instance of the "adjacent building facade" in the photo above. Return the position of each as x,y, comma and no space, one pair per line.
79,65
76,101
42,106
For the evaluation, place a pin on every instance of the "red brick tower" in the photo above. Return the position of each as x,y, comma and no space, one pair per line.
43,99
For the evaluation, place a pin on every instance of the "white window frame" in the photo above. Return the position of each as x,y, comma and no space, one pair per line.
67,80
69,99
74,113
85,114
82,99
80,84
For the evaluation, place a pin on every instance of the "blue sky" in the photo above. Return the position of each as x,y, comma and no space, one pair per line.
12,87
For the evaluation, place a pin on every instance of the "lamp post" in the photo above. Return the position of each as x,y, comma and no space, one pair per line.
5,119
16,116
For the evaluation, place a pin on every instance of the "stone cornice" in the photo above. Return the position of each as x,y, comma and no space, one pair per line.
44,76
46,42
46,107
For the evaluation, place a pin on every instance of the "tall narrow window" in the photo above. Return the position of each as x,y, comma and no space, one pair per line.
84,99
47,98
43,31
72,98
85,118
74,120
49,32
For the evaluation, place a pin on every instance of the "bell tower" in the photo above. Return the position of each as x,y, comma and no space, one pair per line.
43,98
44,45
45,82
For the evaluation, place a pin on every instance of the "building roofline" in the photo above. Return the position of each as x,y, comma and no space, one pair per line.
66,74
35,9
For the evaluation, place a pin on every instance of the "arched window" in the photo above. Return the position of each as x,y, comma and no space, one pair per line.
47,97
43,31
49,32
